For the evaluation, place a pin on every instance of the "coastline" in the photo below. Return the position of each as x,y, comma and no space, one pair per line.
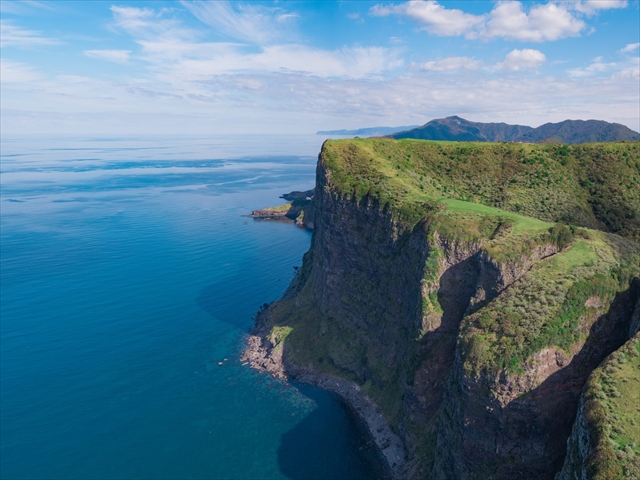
262,355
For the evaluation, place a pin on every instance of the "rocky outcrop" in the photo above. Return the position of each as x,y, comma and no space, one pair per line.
515,425
599,446
299,209
375,314
579,447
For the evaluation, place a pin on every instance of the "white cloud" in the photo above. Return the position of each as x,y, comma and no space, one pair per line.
630,47
524,59
283,85
293,102
132,18
147,23
597,66
12,35
543,23
116,56
481,97
175,55
506,20
449,64
592,6
254,23
435,18
16,72
631,72
196,62
24,7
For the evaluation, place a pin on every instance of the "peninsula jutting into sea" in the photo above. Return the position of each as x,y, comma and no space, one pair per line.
476,304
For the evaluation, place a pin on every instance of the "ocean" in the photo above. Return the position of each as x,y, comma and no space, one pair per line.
127,274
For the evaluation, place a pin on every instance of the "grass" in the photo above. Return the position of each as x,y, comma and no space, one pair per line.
278,334
592,185
612,411
278,208
508,197
511,198
546,307
521,223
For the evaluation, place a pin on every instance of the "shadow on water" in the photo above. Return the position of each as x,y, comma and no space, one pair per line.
228,305
228,300
330,443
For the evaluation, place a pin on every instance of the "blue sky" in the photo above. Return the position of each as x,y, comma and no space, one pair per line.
116,67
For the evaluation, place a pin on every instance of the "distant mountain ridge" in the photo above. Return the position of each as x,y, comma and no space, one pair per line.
569,131
368,132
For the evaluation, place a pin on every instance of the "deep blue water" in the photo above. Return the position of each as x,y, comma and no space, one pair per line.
127,274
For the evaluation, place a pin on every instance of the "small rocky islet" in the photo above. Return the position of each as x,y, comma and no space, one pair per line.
476,304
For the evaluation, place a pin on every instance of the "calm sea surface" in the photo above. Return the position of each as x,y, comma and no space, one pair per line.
127,274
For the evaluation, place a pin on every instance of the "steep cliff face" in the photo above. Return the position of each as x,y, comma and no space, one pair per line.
345,321
472,329
604,440
514,425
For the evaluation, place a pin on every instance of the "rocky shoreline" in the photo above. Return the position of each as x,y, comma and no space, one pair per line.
297,209
263,355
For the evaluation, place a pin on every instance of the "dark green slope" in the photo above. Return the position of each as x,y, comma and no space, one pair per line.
458,129
569,131
579,131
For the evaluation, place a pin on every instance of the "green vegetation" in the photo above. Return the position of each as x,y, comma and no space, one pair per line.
278,334
520,222
279,208
515,203
331,347
511,198
549,307
590,185
612,411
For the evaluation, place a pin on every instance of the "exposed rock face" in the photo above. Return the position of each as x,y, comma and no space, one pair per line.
509,426
579,446
355,244
380,305
592,453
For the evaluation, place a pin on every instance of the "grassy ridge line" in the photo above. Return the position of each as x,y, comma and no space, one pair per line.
521,223
591,185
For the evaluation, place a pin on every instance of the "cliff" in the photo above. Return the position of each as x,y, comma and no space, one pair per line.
469,329
604,440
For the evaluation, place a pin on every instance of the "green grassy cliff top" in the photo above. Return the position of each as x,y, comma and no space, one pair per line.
591,185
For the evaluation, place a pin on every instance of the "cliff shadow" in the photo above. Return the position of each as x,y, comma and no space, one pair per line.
438,347
540,422
236,299
329,443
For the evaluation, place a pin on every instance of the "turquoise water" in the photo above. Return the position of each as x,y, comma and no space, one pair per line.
127,274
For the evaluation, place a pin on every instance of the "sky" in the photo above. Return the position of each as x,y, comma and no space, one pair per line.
218,67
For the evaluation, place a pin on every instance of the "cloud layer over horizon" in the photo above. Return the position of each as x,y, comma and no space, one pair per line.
289,67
